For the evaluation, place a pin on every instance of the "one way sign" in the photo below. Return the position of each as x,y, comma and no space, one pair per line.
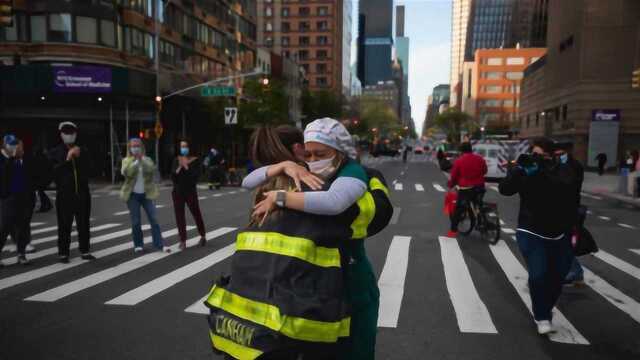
230,116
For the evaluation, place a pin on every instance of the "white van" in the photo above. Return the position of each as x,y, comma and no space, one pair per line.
491,154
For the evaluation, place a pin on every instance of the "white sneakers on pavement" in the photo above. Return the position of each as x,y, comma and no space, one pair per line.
30,249
544,327
138,249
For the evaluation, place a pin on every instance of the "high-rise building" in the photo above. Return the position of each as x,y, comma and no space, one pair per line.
313,34
375,41
440,97
459,21
402,56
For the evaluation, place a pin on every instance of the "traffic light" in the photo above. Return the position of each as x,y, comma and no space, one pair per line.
635,79
6,13
141,134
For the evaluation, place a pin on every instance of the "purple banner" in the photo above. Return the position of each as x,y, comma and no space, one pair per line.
81,79
605,115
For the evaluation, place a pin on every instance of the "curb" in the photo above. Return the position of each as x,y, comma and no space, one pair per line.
611,196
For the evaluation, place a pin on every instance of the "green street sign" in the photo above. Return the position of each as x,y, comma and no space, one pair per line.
218,91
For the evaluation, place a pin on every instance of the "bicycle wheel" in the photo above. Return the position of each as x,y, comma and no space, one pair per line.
467,222
491,226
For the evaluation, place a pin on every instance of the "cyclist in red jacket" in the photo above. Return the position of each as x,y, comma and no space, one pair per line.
468,174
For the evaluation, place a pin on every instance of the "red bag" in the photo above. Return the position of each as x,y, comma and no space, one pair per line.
450,201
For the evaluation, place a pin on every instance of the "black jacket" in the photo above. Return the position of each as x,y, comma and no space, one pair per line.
71,177
548,198
6,173
185,181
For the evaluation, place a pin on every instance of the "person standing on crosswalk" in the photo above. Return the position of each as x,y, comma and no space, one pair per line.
186,171
140,190
16,196
71,167
547,216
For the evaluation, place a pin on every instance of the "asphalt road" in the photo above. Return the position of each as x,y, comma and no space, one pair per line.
441,298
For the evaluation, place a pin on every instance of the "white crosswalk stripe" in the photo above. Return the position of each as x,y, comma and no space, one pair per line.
471,312
517,275
398,187
36,224
12,248
614,296
419,187
637,251
438,187
162,283
391,282
44,230
86,282
618,263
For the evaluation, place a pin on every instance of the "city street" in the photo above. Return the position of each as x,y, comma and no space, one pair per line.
441,298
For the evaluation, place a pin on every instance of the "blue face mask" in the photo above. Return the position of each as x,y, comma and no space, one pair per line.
564,158
184,151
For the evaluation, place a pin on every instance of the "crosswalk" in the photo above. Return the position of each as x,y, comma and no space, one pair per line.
474,314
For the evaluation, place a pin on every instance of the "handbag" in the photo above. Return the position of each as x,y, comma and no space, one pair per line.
450,201
583,242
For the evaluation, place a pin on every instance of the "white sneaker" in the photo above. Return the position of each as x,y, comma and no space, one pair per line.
138,249
544,327
30,249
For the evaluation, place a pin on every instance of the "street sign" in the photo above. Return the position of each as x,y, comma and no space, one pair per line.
218,91
230,116
159,130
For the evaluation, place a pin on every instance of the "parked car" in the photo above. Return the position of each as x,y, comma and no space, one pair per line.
418,150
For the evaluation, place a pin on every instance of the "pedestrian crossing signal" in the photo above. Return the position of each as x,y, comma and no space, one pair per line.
635,79
6,13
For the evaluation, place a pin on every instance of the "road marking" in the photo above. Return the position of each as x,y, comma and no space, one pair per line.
589,212
166,281
627,226
508,231
73,262
391,282
438,187
398,187
612,295
217,195
502,222
44,230
402,173
419,187
605,218
201,197
10,248
35,224
396,215
618,263
394,181
86,282
232,192
199,307
471,312
119,213
517,275
637,251
590,196
494,188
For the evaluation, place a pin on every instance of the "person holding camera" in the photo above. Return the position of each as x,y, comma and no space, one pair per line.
547,215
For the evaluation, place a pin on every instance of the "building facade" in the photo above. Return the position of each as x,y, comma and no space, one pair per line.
386,92
496,76
94,62
439,97
460,12
402,56
581,90
375,41
313,34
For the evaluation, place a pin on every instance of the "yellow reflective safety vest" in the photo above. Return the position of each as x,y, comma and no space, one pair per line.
374,207
286,288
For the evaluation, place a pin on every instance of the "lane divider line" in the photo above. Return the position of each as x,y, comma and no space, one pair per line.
391,281
419,187
438,187
396,215
398,187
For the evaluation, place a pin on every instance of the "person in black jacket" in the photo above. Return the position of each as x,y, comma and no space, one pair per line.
547,215
71,166
185,178
16,196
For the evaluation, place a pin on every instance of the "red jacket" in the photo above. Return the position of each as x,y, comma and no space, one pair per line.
468,171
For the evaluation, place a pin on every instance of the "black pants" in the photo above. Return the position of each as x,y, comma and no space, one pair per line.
45,202
601,168
70,207
15,219
464,197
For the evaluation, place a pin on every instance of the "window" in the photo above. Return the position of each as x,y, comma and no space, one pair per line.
534,59
107,33
508,103
514,75
321,81
305,67
494,61
268,26
286,54
86,30
17,31
285,41
285,12
304,11
303,55
515,61
60,27
491,103
492,75
321,54
493,89
286,27
304,26
268,11
322,40
303,40
322,25
38,28
323,11
268,41
321,68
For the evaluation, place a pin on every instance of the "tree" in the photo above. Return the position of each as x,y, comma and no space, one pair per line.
320,104
376,114
452,122
264,104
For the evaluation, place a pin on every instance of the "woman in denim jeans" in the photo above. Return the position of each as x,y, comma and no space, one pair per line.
139,190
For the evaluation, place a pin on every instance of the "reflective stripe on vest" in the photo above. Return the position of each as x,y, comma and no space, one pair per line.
236,350
269,316
376,184
301,248
367,208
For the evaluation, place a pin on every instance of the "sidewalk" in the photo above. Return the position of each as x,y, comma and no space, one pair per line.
607,186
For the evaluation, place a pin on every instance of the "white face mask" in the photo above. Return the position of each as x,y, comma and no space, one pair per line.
11,149
68,138
135,150
322,167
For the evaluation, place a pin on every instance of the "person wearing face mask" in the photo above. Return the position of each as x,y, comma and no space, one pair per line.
547,215
71,168
16,196
140,190
185,176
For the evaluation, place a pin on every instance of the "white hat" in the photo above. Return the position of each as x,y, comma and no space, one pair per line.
65,124
332,133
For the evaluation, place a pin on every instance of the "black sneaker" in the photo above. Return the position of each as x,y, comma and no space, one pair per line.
63,259
87,256
22,260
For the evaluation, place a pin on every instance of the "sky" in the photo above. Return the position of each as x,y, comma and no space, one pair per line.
428,26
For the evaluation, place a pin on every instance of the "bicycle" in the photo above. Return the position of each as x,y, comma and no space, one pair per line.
483,217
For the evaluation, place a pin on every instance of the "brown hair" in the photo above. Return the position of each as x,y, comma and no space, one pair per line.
269,146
